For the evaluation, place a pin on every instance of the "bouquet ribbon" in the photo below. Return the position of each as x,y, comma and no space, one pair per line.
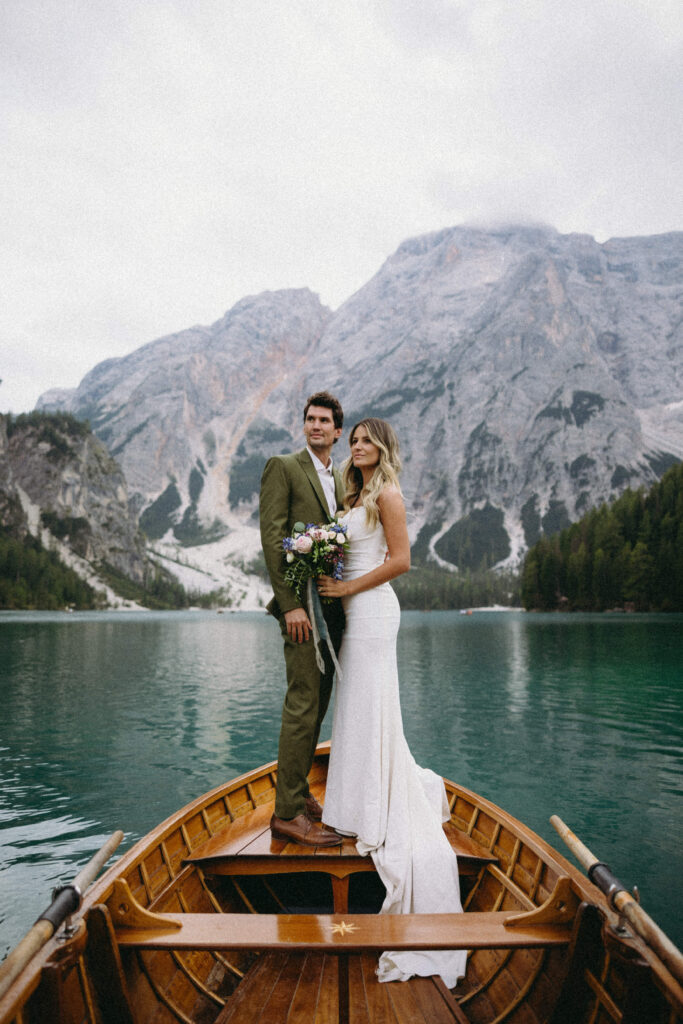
320,630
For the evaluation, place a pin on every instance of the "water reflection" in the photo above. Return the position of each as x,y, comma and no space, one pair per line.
517,676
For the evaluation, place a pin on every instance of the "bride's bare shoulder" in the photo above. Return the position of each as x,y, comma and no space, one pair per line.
390,499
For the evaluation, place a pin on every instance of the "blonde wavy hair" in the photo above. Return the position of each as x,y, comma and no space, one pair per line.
386,473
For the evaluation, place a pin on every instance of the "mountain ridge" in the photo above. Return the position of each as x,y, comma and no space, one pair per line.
530,375
59,484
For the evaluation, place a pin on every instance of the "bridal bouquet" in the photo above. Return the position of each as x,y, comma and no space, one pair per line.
314,551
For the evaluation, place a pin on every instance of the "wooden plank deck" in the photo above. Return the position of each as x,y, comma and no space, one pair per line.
303,988
246,847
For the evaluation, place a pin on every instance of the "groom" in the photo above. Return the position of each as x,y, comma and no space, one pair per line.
306,488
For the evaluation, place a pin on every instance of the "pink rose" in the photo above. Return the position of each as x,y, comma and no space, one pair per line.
319,534
303,544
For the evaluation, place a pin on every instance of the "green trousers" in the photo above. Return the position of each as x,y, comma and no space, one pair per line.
308,695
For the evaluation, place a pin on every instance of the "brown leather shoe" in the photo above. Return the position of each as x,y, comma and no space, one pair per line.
313,808
301,830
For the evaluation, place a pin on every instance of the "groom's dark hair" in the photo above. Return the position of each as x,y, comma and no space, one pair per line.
327,401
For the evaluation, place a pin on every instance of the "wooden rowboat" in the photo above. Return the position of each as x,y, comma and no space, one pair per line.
208,920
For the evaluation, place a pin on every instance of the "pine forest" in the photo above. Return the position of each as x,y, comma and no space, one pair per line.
626,555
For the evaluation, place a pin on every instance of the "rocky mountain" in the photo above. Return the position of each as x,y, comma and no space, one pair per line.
530,375
58,482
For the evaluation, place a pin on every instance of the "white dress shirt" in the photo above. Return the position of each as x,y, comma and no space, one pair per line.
326,475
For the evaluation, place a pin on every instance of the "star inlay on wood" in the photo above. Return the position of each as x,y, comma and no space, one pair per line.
343,928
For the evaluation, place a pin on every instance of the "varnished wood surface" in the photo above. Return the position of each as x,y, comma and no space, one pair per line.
342,933
247,847
237,847
513,974
302,988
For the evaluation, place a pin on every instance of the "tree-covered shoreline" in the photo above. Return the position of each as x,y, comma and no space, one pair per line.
626,555
33,574
33,578
429,588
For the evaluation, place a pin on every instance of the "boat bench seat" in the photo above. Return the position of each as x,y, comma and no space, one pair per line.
338,934
294,949
246,847
296,968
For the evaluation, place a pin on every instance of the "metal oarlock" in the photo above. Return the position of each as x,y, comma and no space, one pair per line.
71,897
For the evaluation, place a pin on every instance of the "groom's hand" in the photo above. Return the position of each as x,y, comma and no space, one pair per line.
298,625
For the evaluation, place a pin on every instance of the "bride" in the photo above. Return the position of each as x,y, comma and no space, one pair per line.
375,790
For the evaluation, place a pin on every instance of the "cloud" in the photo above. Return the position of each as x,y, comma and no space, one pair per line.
163,161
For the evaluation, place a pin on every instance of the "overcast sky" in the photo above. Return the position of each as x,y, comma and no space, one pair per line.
161,160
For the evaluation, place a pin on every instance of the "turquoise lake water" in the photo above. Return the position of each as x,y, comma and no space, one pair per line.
115,720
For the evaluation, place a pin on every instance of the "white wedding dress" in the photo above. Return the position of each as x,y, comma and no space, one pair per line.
375,790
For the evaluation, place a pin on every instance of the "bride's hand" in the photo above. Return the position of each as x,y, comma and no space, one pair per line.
329,587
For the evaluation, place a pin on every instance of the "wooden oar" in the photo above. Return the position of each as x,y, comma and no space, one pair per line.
622,900
66,902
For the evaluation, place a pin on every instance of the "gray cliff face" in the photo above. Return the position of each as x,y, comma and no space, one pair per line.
513,364
62,484
189,416
529,375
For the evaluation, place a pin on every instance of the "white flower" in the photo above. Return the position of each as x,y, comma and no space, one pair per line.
290,556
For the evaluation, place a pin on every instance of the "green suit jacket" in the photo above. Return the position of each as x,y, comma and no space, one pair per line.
291,492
